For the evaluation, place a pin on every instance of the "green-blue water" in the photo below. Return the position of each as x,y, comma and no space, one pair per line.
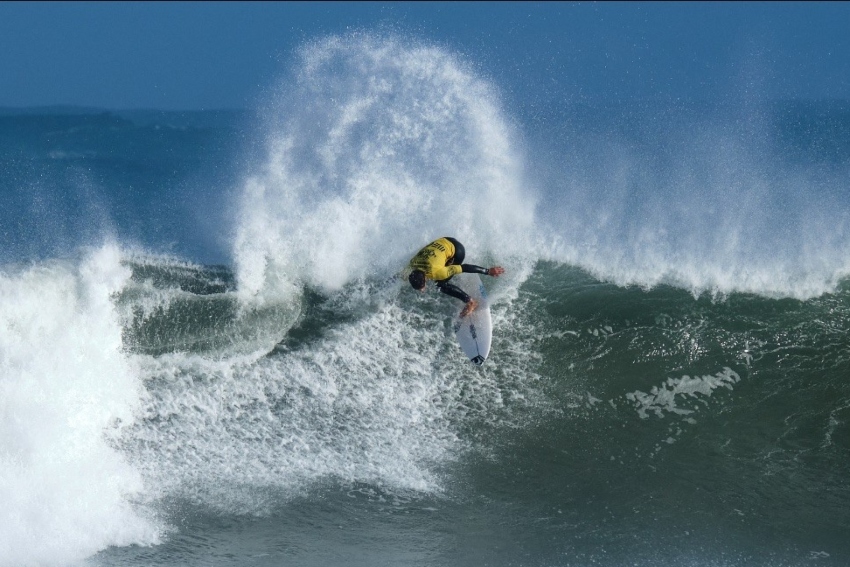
206,361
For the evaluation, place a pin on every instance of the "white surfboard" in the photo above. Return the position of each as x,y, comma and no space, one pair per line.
475,331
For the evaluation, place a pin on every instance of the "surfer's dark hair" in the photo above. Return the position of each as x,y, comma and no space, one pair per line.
417,279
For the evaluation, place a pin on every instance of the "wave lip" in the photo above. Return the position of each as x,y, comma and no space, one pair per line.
712,200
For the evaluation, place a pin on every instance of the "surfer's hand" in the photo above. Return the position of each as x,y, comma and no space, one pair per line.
496,271
469,308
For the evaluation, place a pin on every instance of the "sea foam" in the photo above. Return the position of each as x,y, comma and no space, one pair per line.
66,388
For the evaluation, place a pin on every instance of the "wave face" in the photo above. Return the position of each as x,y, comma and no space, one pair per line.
667,379
394,145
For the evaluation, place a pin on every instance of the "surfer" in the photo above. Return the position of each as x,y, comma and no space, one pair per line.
440,261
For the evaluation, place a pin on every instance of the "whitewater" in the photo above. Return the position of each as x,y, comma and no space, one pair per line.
667,384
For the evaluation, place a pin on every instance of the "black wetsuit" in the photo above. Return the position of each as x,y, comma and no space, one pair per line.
449,288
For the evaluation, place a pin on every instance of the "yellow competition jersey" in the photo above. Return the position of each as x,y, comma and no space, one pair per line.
432,260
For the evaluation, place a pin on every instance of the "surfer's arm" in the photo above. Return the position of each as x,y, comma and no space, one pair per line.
495,271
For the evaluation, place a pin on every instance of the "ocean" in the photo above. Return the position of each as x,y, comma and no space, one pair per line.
206,357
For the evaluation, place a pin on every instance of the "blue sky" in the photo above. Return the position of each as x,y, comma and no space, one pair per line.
199,55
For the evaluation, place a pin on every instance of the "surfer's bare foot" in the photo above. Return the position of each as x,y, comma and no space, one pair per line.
470,307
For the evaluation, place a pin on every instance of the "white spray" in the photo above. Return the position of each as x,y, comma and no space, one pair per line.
376,149
64,381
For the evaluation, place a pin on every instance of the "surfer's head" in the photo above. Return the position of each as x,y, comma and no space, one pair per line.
417,279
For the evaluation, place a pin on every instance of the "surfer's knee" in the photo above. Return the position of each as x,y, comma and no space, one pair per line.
452,290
